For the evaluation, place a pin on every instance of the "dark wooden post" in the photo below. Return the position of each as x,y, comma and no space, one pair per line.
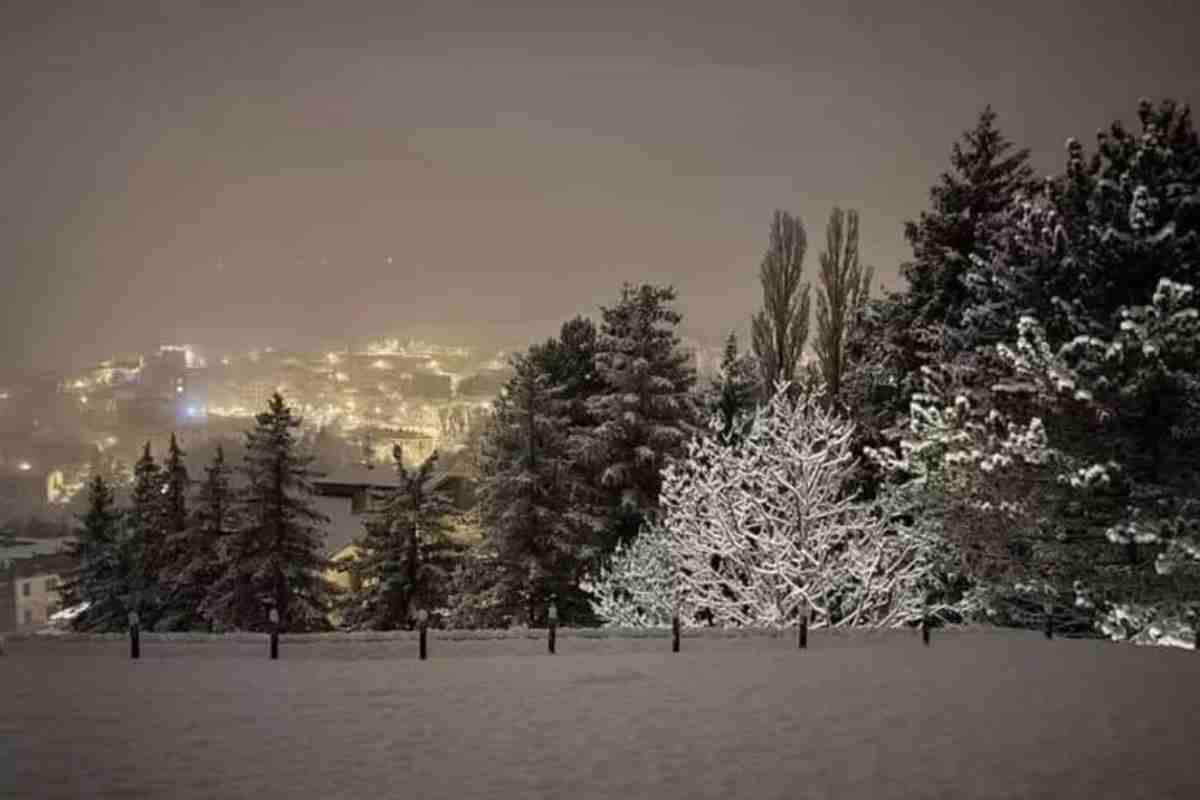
804,611
274,634
423,624
553,625
1049,609
135,649
925,628
675,634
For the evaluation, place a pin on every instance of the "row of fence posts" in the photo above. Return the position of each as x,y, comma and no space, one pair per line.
423,630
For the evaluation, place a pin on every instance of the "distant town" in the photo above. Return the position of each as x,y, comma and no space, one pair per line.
57,429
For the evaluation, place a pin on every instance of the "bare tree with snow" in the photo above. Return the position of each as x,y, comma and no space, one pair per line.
749,531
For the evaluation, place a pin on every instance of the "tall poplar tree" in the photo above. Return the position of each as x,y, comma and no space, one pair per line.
780,329
843,289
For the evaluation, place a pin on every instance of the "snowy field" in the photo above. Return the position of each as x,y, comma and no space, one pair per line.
976,715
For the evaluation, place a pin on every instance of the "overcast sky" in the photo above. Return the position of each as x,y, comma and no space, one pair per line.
175,173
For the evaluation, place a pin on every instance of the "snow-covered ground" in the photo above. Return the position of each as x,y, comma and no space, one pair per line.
975,715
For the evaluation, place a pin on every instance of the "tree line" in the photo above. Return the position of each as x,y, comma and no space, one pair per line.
1013,432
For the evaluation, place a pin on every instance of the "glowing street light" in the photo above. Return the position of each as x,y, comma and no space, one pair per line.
24,466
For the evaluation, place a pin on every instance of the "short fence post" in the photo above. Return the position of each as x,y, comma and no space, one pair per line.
925,628
804,624
423,624
274,634
135,650
1049,609
675,634
553,625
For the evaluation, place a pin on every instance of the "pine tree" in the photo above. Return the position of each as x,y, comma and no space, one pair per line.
145,538
843,291
647,410
276,558
406,560
101,576
780,330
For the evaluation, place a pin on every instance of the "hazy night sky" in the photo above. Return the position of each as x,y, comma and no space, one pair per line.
177,173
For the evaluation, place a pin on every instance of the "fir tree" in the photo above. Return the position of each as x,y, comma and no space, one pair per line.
780,330
647,410
843,290
276,558
101,576
406,560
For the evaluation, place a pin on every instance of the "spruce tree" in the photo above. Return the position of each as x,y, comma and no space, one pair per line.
145,538
406,559
780,330
544,537
987,173
647,410
101,575
843,290
201,554
176,611
276,559
1096,280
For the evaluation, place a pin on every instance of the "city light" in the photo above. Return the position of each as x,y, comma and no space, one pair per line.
24,466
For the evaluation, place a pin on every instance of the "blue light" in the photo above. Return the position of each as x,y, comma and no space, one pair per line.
191,412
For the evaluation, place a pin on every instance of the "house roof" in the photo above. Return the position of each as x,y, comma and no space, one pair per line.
344,526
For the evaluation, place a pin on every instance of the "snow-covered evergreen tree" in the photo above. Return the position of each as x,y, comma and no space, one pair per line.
544,537
748,531
176,612
647,409
276,558
102,573
1099,265
733,394
145,538
200,552
406,560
